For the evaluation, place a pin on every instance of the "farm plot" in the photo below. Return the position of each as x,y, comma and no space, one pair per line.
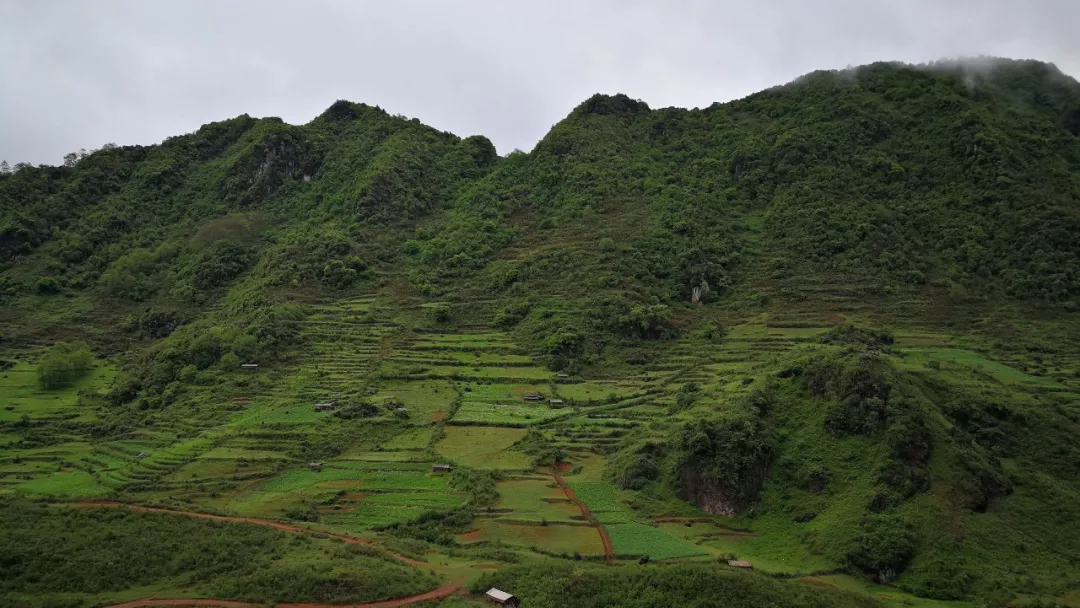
634,540
598,392
63,484
435,370
506,415
359,479
564,540
536,501
501,393
264,412
422,399
598,496
388,508
483,447
628,537
21,395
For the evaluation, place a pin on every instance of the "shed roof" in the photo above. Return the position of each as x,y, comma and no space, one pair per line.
738,563
498,594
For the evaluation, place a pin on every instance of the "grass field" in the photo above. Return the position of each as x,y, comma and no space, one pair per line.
535,500
22,395
483,447
64,484
496,414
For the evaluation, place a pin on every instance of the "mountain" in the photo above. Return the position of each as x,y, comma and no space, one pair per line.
830,329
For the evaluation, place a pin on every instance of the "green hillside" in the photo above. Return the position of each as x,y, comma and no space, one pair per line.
831,329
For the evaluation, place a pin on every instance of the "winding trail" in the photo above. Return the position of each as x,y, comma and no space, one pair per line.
435,594
352,540
609,551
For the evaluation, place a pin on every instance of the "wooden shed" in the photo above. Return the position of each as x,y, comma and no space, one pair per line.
315,466
533,397
324,407
441,468
250,367
498,596
738,563
557,402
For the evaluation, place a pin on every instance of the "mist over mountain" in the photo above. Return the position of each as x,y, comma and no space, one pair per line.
830,329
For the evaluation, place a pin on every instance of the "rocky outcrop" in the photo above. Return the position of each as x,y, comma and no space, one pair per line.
718,497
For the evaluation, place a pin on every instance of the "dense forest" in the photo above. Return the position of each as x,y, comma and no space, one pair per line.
926,219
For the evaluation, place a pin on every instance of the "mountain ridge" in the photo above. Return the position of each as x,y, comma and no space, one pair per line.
831,327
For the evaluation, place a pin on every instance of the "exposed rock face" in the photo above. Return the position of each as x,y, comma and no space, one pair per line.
713,497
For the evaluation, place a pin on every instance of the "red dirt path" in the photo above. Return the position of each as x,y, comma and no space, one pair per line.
435,594
352,540
609,551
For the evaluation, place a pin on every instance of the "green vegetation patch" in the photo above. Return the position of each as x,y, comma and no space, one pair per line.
483,447
510,415
633,540
94,555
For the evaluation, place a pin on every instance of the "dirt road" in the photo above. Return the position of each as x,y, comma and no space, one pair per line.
434,594
258,522
609,551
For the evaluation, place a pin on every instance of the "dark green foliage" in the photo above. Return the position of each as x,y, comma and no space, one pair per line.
685,585
439,313
362,409
64,364
883,548
939,199
720,463
860,386
437,527
635,467
855,335
544,452
83,551
479,484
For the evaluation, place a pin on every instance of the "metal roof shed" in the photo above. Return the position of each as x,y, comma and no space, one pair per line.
501,597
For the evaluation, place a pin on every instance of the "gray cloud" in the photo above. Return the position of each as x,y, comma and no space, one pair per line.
77,74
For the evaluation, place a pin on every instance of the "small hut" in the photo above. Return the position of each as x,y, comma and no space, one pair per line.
557,403
562,375
533,397
441,468
738,563
315,466
498,596
249,367
142,455
324,407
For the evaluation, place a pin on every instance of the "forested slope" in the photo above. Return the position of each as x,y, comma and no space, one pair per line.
839,315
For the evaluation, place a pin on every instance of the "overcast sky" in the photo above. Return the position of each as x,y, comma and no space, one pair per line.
77,74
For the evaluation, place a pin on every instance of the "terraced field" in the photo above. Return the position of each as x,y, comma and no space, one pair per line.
449,398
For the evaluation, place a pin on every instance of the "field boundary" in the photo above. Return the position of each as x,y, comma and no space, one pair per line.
609,551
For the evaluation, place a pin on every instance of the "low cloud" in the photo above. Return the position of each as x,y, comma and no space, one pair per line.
77,75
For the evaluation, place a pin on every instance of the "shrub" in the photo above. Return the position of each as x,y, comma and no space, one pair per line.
48,285
64,364
440,313
883,548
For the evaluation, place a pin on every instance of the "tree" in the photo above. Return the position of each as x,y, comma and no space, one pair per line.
64,364
5,169
71,159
